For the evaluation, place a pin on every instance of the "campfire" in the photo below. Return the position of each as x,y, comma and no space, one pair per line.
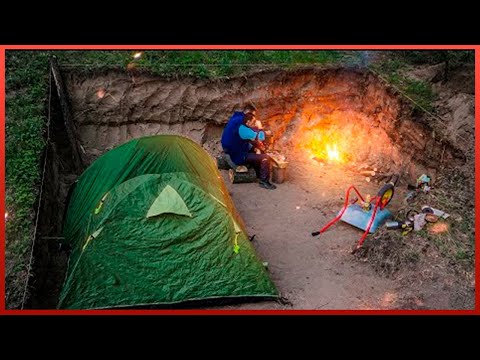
327,147
332,153
346,139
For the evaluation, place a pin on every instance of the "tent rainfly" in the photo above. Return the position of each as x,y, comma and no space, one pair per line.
151,222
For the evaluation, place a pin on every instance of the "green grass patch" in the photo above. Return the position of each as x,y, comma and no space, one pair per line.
420,92
26,82
200,63
454,57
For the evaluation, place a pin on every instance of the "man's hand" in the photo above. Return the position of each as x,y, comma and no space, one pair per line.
259,145
258,124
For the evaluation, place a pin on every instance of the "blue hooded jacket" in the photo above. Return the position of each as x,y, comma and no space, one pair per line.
232,143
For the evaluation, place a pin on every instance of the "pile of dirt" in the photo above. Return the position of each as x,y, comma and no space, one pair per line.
455,103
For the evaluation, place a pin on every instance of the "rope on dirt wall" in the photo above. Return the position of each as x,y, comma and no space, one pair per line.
29,268
212,65
417,104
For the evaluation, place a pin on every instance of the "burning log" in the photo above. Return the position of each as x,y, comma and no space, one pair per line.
318,160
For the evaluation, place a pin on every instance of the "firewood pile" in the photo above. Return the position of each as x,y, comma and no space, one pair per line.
371,173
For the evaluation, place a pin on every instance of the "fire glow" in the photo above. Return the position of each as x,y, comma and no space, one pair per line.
326,147
332,153
100,93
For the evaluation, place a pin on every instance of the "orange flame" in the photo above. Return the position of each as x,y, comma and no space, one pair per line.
332,153
329,147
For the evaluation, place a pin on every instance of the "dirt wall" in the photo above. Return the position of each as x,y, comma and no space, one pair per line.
112,107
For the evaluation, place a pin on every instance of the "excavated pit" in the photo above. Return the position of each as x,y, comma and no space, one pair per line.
304,108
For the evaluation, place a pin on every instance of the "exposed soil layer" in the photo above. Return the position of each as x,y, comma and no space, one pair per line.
376,127
300,107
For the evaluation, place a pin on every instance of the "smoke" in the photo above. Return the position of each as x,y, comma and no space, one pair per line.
359,59
364,58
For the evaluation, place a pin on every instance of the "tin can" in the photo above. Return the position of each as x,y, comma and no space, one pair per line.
393,225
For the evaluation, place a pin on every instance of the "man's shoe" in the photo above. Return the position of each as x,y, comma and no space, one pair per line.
267,185
241,169
229,161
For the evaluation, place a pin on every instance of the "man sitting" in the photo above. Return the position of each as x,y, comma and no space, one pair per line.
237,136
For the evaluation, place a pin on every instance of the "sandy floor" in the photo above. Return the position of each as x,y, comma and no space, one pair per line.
311,272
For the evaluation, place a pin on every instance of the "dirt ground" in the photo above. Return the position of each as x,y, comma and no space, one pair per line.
312,272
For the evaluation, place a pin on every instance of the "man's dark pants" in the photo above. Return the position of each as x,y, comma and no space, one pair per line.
261,164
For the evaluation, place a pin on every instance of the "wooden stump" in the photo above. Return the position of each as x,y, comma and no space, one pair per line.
245,177
278,174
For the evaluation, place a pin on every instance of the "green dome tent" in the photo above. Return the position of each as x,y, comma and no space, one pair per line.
151,222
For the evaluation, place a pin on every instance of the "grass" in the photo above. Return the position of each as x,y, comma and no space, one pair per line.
455,196
388,252
420,92
26,81
458,243
204,64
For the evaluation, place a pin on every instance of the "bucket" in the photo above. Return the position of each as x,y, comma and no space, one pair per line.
279,172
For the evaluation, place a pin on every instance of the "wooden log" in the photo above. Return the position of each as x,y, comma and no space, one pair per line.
367,167
247,177
367,173
383,176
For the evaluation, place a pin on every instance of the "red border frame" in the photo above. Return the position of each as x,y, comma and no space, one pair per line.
3,311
